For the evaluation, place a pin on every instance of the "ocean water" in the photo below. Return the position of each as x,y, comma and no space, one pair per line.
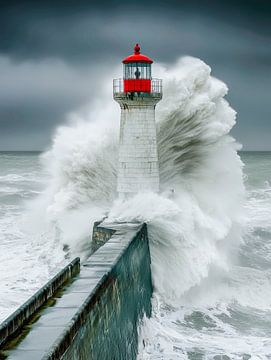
228,314
26,258
209,227
238,321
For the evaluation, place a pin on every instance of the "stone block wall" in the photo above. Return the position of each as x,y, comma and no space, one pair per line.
138,158
100,236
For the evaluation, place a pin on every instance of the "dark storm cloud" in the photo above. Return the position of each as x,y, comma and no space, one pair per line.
78,30
52,53
36,96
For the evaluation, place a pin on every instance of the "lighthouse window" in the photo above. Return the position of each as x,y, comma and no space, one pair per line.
137,71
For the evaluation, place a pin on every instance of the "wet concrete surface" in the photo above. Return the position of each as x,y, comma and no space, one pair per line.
56,321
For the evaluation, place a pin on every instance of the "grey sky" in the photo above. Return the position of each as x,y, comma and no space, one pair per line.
52,54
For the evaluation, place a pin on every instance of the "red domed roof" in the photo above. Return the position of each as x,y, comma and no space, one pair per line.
137,57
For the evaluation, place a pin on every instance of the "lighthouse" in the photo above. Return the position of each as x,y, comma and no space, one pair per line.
137,94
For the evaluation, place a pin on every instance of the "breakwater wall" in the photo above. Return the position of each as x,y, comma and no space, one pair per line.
98,315
22,315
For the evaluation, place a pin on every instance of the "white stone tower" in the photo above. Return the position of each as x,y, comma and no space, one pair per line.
137,93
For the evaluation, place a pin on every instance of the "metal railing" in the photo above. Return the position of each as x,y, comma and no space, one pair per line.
156,86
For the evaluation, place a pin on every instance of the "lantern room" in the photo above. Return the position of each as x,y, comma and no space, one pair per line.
137,72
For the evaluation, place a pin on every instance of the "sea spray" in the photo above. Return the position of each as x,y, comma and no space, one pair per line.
193,225
198,227
212,288
196,154
81,168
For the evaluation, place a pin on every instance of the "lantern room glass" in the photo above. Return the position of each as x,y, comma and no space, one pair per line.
137,71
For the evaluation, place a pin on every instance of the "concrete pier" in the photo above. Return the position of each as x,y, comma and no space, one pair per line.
98,315
24,313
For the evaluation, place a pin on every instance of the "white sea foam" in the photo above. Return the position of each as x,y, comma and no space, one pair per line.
199,226
195,224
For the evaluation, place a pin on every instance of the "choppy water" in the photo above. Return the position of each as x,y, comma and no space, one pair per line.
228,315
26,260
239,320
209,239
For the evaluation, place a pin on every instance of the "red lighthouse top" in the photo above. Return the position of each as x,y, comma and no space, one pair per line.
137,57
137,77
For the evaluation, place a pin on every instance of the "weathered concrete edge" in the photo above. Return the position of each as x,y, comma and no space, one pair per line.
100,235
16,320
64,340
